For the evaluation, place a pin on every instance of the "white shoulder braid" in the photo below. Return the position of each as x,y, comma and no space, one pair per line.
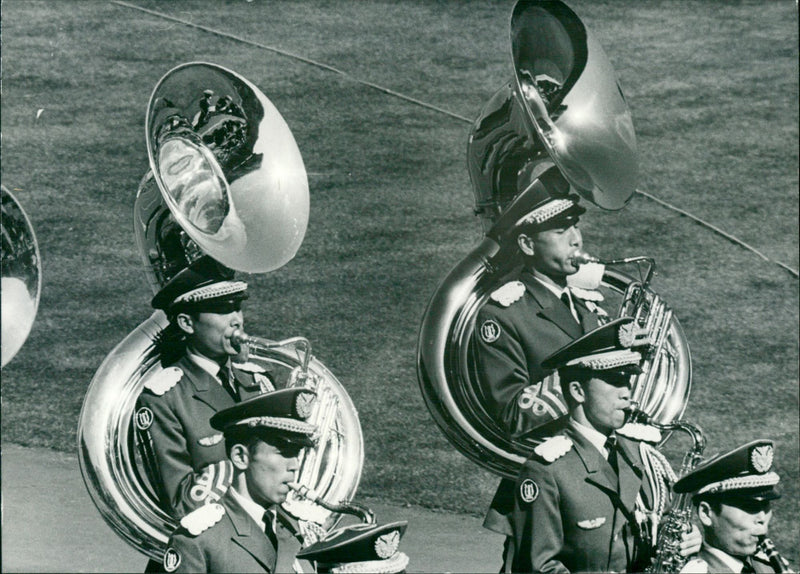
695,566
164,381
554,447
509,293
639,431
249,367
203,518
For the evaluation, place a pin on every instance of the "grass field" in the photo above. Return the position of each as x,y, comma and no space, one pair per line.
713,88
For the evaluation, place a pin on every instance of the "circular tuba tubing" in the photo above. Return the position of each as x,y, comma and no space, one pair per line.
21,276
563,106
227,180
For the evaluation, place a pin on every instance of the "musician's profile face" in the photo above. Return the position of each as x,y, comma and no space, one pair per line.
736,527
209,334
269,471
605,401
553,250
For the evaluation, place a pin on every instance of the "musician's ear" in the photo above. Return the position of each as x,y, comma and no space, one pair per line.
240,456
185,323
525,244
704,512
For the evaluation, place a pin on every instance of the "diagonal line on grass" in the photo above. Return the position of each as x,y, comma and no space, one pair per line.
295,57
429,106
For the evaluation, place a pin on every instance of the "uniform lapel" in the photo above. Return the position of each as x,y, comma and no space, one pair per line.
206,387
599,472
249,536
630,473
588,319
552,308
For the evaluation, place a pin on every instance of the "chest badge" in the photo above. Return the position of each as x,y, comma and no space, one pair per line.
592,524
210,440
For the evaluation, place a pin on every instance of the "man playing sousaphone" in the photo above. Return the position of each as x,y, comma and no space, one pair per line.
204,306
530,317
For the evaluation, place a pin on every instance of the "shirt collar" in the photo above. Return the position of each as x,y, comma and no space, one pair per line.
549,283
594,436
208,365
731,562
251,507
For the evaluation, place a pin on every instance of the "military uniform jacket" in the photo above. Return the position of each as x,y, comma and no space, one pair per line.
234,544
509,367
185,446
512,338
710,562
575,515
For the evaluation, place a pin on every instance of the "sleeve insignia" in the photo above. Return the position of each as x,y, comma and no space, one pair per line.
592,523
554,447
210,440
171,560
509,293
249,367
639,431
528,491
163,381
143,418
695,566
203,518
587,294
213,483
490,331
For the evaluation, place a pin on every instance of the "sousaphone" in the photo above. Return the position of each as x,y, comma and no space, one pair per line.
226,180
562,116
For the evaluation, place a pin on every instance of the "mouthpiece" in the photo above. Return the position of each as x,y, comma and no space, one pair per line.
581,258
239,338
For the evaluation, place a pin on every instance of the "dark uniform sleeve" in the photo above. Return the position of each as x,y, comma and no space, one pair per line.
536,521
182,488
185,554
509,388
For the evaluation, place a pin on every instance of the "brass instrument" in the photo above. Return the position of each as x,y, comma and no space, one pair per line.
561,115
227,180
667,536
22,276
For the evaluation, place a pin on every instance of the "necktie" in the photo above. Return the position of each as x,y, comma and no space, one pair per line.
747,566
269,528
567,299
227,383
611,447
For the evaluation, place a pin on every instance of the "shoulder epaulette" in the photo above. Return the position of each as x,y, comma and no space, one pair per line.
164,381
587,294
509,293
554,447
249,367
695,566
639,431
203,518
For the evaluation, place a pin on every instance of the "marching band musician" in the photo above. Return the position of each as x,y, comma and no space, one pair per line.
732,498
264,437
529,318
580,498
203,303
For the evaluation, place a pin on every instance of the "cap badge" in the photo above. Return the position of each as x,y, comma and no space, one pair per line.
625,335
304,404
490,331
144,418
386,544
761,458
528,491
171,560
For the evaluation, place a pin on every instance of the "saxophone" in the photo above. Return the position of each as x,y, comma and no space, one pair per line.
778,562
677,520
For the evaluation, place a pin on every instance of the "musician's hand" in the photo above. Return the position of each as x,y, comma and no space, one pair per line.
691,542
